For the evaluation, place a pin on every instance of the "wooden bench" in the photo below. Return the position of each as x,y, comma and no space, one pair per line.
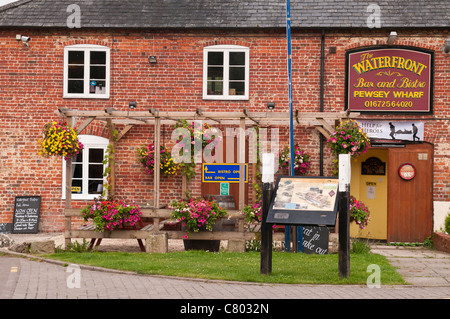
159,218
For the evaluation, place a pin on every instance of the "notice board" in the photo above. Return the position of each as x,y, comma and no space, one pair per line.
304,200
26,214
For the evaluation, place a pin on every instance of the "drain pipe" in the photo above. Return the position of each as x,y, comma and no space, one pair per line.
322,67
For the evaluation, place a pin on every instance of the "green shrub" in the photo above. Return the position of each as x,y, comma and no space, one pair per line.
447,224
360,247
79,247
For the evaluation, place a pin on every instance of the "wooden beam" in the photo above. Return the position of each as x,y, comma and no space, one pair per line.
323,131
246,114
84,124
241,158
215,116
112,172
124,131
156,167
68,202
325,125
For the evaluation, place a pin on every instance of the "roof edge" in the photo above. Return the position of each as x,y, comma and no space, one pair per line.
14,5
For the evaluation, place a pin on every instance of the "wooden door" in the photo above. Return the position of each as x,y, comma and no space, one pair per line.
209,188
410,202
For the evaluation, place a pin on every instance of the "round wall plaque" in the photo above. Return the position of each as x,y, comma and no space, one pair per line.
407,171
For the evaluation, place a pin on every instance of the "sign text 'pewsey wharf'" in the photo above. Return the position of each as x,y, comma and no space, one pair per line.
389,80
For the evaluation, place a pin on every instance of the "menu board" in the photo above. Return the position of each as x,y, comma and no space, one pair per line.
26,214
300,200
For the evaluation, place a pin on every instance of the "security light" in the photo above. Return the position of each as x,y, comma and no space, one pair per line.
391,38
446,48
270,105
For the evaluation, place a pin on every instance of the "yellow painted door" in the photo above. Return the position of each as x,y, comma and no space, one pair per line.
370,187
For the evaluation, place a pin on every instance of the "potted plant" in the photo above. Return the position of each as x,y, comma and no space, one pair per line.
302,160
197,214
359,213
110,214
146,157
348,138
59,139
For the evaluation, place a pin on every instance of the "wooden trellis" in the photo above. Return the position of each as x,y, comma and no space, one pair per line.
324,122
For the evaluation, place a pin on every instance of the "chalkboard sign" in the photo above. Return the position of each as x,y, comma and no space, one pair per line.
26,214
5,228
315,240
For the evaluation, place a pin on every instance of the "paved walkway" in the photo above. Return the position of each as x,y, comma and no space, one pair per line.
427,271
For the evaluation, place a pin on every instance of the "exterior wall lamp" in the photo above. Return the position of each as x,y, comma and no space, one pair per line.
152,59
391,38
446,48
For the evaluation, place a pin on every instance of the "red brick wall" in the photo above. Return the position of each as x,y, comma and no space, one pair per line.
31,84
441,242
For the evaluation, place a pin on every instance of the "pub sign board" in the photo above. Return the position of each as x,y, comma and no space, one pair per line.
304,201
389,80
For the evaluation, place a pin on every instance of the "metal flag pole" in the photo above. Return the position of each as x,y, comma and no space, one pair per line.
289,57
291,115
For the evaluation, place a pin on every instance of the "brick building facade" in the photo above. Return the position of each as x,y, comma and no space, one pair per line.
34,84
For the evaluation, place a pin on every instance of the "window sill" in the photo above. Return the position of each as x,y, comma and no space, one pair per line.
227,98
85,97
83,197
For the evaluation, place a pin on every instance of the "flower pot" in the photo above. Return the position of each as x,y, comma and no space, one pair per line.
222,224
201,244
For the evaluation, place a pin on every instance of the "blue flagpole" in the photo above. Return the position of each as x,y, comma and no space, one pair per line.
291,120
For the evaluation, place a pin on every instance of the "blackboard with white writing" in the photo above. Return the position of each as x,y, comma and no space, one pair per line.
315,240
26,214
5,228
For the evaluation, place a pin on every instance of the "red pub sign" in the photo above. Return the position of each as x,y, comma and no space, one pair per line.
389,80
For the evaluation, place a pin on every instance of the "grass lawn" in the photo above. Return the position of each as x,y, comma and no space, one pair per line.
287,268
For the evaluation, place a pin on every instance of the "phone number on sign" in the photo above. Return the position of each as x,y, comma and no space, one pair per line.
388,104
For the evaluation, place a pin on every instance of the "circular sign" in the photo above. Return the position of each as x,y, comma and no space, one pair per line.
407,171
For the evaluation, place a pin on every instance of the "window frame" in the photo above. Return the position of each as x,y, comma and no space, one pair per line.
86,48
226,49
89,142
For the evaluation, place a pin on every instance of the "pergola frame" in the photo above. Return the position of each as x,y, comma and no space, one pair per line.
323,121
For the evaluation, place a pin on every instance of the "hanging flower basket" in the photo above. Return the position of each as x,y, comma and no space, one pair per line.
59,139
195,136
359,213
146,157
110,215
349,138
253,215
302,160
